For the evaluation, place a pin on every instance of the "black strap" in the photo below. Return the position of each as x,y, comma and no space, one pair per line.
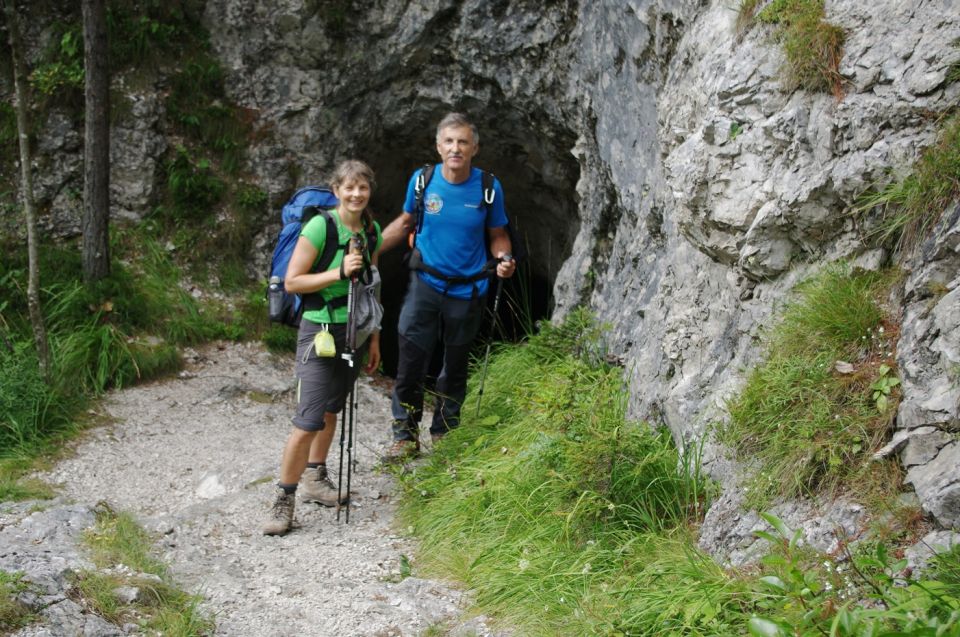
416,263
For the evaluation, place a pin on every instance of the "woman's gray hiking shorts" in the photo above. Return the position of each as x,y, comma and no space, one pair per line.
322,382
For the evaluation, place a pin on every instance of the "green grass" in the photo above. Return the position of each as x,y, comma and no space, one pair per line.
911,207
801,425
563,516
813,47
161,608
13,615
123,330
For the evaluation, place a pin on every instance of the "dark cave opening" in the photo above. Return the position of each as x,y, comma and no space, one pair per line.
533,162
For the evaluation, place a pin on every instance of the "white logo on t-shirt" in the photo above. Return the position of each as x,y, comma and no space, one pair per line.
433,203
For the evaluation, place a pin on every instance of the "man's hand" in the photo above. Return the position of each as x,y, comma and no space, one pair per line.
507,265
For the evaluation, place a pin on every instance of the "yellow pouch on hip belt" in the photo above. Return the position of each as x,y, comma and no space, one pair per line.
323,344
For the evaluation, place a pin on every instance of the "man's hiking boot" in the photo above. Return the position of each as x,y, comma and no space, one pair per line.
280,518
402,450
316,486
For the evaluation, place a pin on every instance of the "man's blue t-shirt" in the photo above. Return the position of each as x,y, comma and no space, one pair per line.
453,238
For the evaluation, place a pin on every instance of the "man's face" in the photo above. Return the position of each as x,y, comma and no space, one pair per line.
456,147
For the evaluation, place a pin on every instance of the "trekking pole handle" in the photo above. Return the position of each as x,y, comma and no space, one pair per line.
355,247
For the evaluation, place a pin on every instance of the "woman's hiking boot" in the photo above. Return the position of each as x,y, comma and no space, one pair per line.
280,517
316,486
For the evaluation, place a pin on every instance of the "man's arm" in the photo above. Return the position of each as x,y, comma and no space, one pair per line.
500,247
397,231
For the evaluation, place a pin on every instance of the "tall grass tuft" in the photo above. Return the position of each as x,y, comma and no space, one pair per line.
911,207
120,331
161,607
813,47
562,515
13,614
804,426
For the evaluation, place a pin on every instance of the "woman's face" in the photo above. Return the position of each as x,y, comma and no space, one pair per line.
354,194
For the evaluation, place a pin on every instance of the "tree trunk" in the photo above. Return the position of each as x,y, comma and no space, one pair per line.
96,143
26,189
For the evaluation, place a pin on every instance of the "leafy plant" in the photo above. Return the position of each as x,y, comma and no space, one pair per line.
864,593
735,129
251,198
65,69
882,388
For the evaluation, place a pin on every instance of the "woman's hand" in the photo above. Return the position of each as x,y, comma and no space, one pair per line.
373,354
352,265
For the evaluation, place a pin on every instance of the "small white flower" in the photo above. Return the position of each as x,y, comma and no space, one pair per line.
523,565
586,568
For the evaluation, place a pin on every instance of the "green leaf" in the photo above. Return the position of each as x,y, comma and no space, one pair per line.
774,582
777,524
882,404
760,627
884,370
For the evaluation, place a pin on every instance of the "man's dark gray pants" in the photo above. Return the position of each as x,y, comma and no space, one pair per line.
424,314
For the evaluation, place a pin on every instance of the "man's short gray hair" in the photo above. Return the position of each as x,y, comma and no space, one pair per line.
458,119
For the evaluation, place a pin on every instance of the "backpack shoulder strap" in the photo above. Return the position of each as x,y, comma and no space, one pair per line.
489,194
329,247
419,189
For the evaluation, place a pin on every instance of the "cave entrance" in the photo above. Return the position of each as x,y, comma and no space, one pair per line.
533,161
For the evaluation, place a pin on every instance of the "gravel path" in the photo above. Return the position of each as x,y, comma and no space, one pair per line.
195,458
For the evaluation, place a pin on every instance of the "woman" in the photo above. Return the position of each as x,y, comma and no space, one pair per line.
323,376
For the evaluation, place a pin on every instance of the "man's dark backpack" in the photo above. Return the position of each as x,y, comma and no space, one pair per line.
303,206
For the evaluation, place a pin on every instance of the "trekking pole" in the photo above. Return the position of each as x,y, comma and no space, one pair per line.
355,247
486,358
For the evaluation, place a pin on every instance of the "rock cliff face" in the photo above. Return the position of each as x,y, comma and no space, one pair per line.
659,168
653,159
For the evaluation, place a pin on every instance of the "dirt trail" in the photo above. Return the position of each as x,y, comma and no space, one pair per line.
195,458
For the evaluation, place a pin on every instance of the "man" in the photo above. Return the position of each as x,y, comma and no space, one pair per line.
448,282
